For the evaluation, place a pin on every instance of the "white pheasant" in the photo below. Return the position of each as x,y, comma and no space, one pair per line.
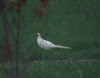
47,45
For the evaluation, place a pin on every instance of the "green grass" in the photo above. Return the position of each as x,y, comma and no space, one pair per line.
73,23
70,23
58,69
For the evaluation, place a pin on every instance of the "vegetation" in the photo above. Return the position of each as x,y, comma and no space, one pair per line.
73,23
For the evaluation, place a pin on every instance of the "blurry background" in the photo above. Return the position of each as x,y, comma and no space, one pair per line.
73,23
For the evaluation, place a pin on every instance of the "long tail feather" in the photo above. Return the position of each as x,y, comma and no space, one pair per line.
63,47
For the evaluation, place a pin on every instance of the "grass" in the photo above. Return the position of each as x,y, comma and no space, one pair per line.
73,23
70,23
58,69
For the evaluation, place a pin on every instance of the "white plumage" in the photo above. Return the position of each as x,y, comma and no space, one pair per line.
42,43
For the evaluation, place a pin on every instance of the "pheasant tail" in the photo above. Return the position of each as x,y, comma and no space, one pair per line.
63,47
